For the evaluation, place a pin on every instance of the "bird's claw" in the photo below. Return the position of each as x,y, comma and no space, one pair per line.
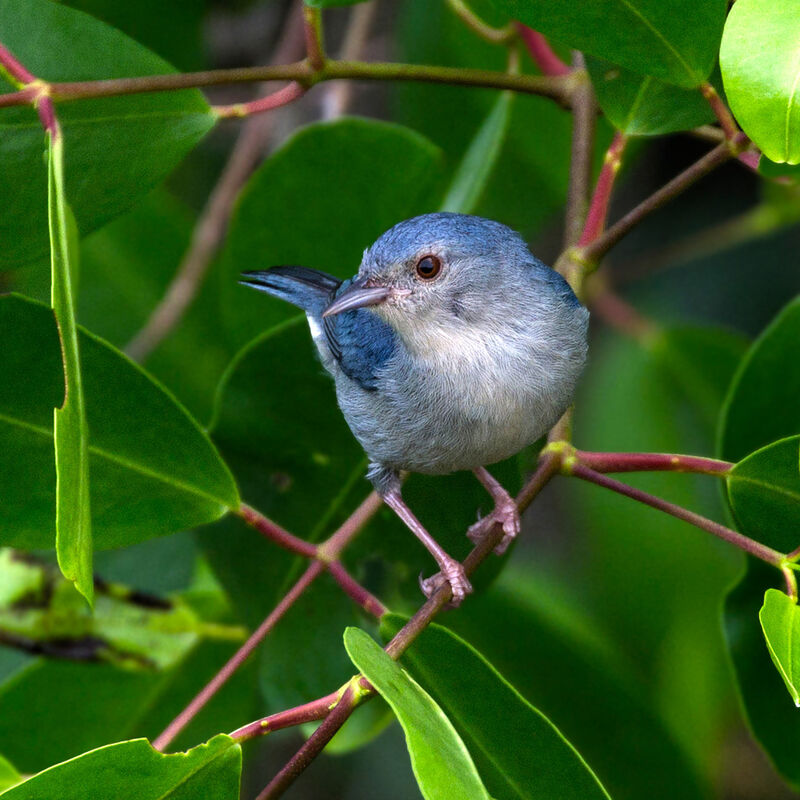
504,513
452,573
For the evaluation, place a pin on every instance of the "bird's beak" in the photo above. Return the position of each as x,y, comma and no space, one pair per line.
358,296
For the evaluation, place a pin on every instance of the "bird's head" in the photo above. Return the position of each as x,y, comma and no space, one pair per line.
437,269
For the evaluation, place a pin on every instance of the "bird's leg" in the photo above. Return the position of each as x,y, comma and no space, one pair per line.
387,483
451,569
505,512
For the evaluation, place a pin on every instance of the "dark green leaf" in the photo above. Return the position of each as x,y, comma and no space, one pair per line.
780,621
118,147
70,433
764,492
641,105
675,40
562,661
441,762
519,753
210,771
476,167
762,406
154,471
328,193
759,64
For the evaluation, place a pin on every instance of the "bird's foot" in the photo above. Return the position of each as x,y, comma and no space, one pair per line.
452,573
506,514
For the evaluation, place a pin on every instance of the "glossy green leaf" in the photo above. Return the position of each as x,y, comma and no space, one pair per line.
210,771
70,432
675,40
476,167
519,753
8,775
290,213
154,471
441,762
780,621
762,406
561,658
760,70
641,105
118,147
764,492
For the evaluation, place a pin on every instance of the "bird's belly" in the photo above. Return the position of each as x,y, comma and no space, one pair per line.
441,429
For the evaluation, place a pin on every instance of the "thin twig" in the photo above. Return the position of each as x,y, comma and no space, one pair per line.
275,533
594,251
355,591
721,112
598,206
213,220
281,97
652,462
315,49
479,27
555,87
314,569
13,68
735,538
308,712
617,312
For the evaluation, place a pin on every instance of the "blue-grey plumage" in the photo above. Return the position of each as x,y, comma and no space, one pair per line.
452,348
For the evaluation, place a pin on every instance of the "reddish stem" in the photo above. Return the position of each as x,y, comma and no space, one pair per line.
651,462
47,114
721,112
21,98
598,207
275,533
308,712
749,546
620,314
275,100
14,68
238,658
330,549
356,591
542,54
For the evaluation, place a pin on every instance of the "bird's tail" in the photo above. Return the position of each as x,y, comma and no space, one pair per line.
306,288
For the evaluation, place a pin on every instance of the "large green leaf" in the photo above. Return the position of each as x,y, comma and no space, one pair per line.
780,621
328,193
154,471
118,147
760,69
562,660
441,762
519,753
675,40
764,492
762,406
641,105
210,771
70,432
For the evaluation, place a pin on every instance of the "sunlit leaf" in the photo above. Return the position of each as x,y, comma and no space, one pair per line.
780,621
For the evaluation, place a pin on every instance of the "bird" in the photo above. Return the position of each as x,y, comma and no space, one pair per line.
452,348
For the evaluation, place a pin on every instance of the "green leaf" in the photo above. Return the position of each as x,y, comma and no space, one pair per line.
561,659
519,753
70,434
675,40
210,771
8,775
439,758
154,471
382,173
118,147
780,621
762,406
760,70
764,493
641,105
476,167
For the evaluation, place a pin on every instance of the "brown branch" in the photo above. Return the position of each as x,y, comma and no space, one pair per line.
540,51
355,591
299,715
275,533
721,112
652,462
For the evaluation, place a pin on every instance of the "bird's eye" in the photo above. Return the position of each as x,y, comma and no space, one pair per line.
428,267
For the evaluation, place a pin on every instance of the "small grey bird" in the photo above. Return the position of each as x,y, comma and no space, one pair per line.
452,348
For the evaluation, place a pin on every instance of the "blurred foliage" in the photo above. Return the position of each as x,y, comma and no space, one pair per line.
591,656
